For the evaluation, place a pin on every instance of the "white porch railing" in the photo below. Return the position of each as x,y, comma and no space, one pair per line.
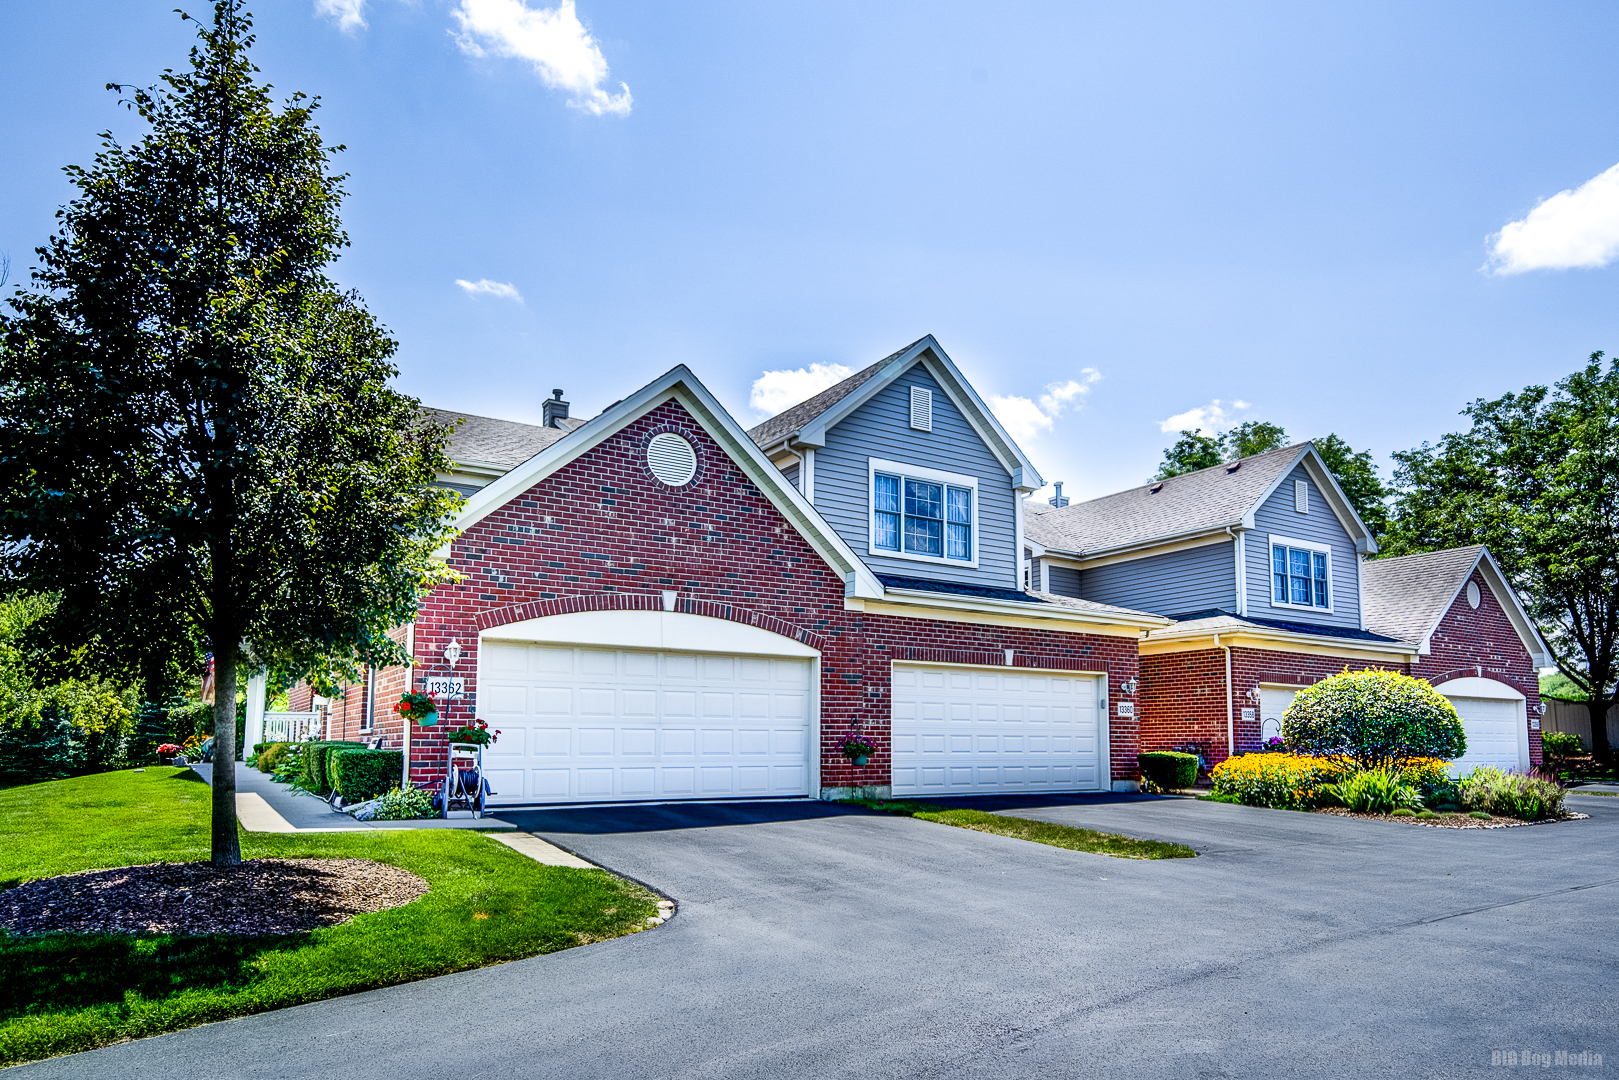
291,726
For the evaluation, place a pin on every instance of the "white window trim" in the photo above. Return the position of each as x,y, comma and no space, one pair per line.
1303,545
915,472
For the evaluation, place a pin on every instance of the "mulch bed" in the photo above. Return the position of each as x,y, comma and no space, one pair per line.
1449,821
261,896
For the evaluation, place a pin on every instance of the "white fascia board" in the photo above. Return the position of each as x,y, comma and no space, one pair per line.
1142,548
923,598
679,384
1025,477
1266,633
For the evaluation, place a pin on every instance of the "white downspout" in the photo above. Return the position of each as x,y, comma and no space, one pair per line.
1230,718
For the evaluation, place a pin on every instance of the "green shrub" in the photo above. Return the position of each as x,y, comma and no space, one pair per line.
1406,811
1528,798
1283,781
365,774
313,775
271,757
1374,791
1373,720
1168,770
1561,744
403,805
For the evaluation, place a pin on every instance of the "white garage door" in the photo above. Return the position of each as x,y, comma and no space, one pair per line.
965,731
605,725
1492,734
1273,702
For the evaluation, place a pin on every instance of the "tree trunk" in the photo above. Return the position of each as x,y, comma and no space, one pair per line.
1599,727
227,845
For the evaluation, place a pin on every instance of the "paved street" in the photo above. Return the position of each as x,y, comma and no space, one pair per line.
817,942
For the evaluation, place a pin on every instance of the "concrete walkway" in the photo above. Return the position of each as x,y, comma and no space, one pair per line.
263,805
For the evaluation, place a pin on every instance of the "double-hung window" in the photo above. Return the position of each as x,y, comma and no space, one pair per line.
921,513
1300,574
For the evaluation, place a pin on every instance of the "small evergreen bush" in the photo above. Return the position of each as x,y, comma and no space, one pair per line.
314,775
1168,770
1561,744
365,774
272,756
1373,720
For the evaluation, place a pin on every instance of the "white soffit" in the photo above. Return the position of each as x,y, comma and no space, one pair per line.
664,631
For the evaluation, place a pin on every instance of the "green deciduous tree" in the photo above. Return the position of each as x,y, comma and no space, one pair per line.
1536,479
197,440
1357,475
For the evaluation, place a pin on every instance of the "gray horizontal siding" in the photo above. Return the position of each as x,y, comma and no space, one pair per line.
1064,580
790,471
880,428
1320,526
1175,583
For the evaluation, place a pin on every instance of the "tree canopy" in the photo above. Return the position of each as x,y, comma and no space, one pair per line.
198,445
1536,479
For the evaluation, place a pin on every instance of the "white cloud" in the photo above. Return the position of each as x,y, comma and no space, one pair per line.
562,51
1025,418
1211,419
485,287
350,14
777,390
1572,229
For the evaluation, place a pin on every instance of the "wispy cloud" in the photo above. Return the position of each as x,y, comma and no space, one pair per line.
484,287
559,46
1577,229
1211,419
777,390
350,14
1025,418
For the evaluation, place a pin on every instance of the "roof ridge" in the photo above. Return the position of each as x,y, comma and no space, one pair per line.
1194,472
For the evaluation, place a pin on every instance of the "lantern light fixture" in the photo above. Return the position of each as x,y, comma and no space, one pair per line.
452,652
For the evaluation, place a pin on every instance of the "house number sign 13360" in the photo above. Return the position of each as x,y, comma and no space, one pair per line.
441,686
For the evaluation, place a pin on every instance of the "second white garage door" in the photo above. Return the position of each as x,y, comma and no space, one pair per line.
1492,727
610,725
966,731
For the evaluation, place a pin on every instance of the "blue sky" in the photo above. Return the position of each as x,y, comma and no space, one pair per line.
1345,217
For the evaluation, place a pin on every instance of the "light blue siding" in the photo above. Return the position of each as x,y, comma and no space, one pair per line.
1064,580
790,471
1175,583
1321,526
880,428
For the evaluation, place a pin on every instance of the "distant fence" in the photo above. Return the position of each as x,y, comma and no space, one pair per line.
1574,718
291,726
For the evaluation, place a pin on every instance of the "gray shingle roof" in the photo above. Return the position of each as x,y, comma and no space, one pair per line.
1405,596
787,421
1207,499
499,442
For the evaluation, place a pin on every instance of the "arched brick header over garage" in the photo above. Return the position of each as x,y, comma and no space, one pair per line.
567,605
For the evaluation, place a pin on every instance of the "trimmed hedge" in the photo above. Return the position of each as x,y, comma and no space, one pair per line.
312,772
365,774
270,758
1168,769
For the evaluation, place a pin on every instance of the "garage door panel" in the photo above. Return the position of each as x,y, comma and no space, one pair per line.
604,724
994,731
1492,734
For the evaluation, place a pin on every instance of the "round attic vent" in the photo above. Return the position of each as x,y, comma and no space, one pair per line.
671,459
1472,594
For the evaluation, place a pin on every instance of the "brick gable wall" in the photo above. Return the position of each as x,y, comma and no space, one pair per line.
1483,644
602,531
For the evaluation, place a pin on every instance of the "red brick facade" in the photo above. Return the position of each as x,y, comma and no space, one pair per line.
603,532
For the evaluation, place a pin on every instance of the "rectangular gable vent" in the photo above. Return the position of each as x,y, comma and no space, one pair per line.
921,408
1301,496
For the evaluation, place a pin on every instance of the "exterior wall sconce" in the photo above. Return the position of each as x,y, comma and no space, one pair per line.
1130,686
452,653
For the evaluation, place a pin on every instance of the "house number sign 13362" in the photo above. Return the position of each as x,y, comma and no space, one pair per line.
441,686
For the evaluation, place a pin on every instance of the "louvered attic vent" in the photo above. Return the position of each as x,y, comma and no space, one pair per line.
921,408
1301,496
671,459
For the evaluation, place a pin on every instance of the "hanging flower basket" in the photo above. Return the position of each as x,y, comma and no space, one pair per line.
419,708
857,749
476,732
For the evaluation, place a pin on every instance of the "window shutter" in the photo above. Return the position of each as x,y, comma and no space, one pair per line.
921,408
1301,496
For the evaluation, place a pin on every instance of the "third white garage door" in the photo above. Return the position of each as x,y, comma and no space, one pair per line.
968,731
1495,735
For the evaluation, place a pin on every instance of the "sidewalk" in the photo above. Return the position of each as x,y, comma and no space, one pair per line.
263,805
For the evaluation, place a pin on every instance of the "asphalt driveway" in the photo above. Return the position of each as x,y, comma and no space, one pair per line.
817,942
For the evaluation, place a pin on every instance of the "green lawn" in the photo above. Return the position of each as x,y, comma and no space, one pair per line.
1040,832
63,993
